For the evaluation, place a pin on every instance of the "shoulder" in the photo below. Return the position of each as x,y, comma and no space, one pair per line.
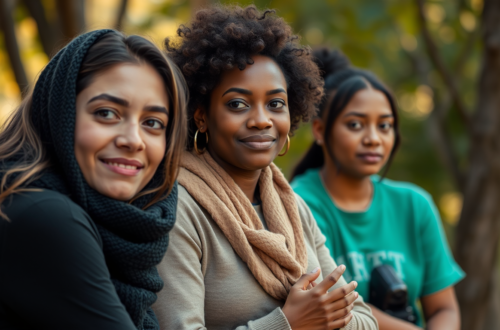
303,208
44,199
403,190
48,212
306,182
184,198
191,217
410,199
310,188
187,205
306,216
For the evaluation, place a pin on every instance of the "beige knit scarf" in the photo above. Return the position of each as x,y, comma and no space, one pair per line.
277,257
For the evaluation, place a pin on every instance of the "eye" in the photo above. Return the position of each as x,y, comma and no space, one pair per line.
106,114
276,104
237,104
154,124
386,126
354,125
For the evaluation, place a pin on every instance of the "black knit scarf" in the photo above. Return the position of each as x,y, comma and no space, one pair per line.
134,240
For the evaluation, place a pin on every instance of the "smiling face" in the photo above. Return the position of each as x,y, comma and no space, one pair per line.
362,136
248,120
120,134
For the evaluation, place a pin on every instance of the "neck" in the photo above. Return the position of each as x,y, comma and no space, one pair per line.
349,192
247,180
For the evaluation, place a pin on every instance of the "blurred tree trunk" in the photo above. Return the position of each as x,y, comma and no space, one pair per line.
53,35
7,25
491,320
72,17
50,33
122,10
478,231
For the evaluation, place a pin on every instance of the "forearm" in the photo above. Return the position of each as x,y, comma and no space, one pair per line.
388,322
363,319
275,320
441,310
445,319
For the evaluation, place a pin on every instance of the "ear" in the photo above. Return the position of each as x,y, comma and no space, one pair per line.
318,130
200,119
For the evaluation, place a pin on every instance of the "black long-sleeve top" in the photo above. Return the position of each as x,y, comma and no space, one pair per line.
53,273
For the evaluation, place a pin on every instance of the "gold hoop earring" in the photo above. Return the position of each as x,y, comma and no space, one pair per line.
287,146
196,142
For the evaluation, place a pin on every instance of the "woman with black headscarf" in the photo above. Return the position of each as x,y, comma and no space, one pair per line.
87,193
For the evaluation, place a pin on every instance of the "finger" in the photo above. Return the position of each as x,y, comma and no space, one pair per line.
306,279
344,301
341,313
342,292
311,285
330,280
340,323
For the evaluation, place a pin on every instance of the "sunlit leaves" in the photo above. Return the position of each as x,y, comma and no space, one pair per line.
381,36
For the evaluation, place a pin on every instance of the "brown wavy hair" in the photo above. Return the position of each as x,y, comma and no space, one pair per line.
223,37
19,137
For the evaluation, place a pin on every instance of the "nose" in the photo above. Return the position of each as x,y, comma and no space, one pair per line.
130,137
372,136
259,118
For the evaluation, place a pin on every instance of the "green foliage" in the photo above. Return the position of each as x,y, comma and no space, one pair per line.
384,37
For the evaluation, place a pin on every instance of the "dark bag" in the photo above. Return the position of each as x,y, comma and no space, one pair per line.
390,294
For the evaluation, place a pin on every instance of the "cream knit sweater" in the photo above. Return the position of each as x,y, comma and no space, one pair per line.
207,285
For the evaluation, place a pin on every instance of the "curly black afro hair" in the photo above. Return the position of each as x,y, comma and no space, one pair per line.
222,37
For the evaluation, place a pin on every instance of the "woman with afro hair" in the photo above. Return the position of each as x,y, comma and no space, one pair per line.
246,252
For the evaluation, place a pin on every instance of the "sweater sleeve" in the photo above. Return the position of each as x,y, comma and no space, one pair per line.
363,318
181,302
53,271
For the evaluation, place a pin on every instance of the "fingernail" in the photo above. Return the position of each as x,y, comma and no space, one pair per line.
315,270
355,284
356,294
342,267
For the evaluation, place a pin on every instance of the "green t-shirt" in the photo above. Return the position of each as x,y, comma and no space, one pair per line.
401,228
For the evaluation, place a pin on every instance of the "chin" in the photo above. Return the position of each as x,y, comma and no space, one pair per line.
256,163
369,170
119,192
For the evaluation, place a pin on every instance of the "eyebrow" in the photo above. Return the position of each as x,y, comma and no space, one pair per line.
111,98
248,92
357,114
238,90
156,108
125,103
276,91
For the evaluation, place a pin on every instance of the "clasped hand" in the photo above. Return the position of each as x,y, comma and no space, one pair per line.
310,306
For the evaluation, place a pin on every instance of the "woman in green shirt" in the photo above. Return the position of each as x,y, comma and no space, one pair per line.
369,221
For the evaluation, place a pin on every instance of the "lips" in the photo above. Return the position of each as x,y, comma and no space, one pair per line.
128,167
370,157
258,142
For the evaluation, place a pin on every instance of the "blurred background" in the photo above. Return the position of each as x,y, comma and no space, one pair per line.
440,57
